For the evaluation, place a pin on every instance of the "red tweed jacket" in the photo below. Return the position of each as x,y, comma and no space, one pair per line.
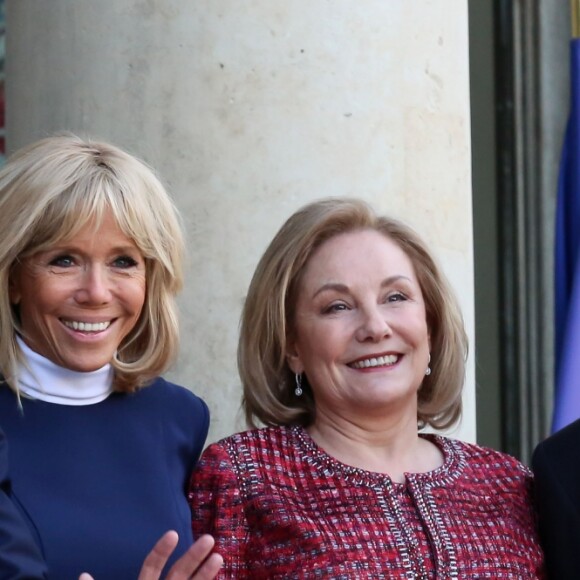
280,507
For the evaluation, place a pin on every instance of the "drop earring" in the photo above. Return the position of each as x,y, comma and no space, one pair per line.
428,371
298,389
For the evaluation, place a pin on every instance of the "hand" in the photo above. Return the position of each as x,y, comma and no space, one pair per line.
192,565
195,564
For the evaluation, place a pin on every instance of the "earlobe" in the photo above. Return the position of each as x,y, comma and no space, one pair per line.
295,364
293,358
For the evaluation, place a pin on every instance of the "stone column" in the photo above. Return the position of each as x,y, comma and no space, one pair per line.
249,110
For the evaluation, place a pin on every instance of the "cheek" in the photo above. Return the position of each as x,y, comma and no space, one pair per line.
33,308
320,350
418,330
135,293
38,296
20,283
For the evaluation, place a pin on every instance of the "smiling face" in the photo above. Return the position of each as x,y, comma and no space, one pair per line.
359,331
80,298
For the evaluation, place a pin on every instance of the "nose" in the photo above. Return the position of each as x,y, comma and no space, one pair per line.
94,286
374,325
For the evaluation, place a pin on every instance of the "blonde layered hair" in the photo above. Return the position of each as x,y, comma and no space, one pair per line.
268,312
49,191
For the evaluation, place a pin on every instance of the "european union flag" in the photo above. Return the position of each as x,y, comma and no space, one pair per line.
567,396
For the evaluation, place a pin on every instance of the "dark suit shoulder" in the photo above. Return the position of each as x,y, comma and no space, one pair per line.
562,446
556,466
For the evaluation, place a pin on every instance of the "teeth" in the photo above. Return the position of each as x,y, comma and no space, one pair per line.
87,326
379,361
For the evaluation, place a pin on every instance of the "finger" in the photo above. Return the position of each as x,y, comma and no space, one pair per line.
157,558
210,568
189,563
85,576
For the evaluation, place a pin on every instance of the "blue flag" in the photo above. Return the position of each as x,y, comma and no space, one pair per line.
567,266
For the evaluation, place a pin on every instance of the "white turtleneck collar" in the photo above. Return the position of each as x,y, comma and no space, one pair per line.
42,379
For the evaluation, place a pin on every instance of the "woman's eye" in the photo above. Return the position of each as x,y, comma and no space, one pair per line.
333,308
64,261
396,297
125,262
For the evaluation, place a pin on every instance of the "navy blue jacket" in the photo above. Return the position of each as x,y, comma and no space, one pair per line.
20,557
101,483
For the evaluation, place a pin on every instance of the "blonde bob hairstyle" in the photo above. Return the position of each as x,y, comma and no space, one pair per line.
267,317
49,191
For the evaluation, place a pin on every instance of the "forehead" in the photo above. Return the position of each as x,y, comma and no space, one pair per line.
88,232
358,256
103,227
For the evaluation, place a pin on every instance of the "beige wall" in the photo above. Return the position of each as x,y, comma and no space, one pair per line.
250,109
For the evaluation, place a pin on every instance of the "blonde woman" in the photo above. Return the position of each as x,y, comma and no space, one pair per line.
101,447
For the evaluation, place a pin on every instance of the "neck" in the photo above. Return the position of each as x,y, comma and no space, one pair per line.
391,445
39,378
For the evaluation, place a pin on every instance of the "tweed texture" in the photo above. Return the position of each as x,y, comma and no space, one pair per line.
280,507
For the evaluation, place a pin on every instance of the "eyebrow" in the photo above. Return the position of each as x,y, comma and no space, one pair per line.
63,249
343,288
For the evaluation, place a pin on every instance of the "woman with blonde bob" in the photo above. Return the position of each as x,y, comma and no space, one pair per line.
351,342
101,446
